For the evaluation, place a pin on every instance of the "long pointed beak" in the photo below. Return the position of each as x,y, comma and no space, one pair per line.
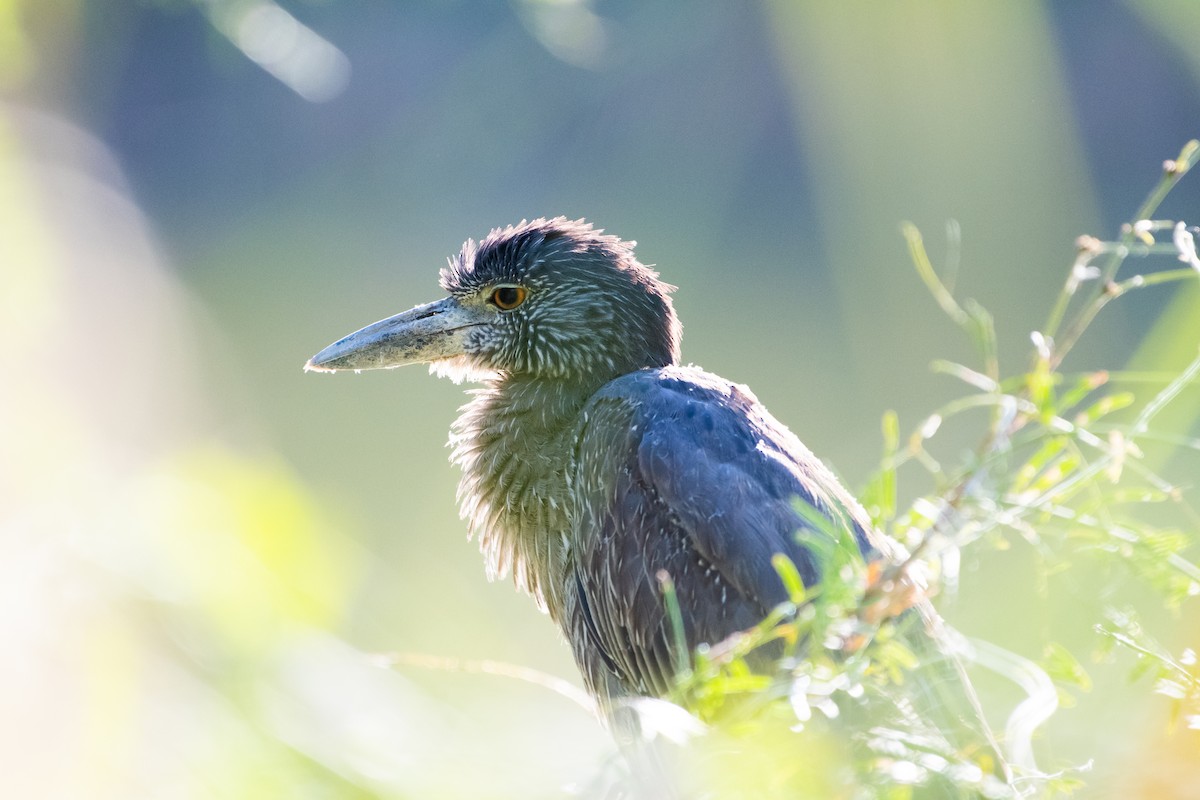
426,333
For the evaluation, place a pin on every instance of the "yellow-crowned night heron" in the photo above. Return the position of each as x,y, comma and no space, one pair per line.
592,461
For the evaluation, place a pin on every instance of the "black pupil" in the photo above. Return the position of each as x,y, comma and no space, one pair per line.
507,296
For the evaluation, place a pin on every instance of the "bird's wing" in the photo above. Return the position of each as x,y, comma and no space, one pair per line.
680,472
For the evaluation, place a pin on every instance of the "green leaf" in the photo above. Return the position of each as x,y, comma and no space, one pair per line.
792,582
1103,407
982,329
1063,668
1083,387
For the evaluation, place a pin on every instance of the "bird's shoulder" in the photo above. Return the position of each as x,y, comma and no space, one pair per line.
674,384
689,404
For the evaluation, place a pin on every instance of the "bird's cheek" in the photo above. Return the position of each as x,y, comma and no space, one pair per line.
487,347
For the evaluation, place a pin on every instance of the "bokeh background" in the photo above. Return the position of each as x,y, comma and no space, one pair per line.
201,547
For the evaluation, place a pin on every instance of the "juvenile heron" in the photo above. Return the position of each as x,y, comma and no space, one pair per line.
592,461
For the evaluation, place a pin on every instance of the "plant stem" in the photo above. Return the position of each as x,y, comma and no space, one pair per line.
1173,171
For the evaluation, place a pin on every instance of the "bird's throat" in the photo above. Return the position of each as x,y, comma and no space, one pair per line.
514,442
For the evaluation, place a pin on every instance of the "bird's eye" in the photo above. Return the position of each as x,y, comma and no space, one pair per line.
506,298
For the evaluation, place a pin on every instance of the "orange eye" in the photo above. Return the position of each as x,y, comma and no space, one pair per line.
506,298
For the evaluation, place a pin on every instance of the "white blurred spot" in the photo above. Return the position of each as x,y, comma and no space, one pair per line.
282,45
569,29
906,772
1040,343
1143,229
662,718
1185,243
931,425
1083,272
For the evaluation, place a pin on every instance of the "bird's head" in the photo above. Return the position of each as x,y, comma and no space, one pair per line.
552,299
